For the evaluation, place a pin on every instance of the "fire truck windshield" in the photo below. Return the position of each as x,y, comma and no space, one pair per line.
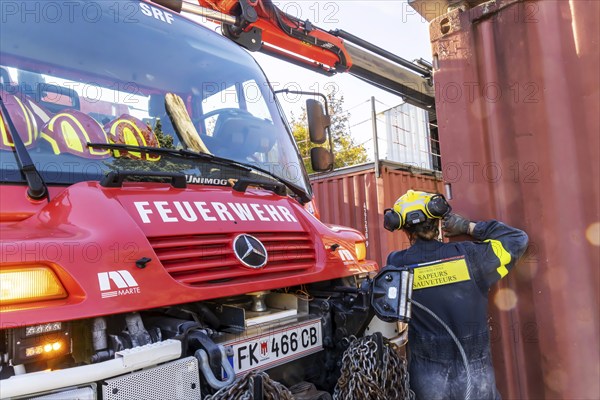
99,72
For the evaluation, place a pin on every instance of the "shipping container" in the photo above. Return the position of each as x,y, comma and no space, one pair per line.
356,197
403,133
518,106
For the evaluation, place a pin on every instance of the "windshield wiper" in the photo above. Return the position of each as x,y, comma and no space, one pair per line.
303,197
160,150
37,188
298,191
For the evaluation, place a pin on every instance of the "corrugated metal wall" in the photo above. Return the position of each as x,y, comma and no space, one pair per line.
355,197
517,94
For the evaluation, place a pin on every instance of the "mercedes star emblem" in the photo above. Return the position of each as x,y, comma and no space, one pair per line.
250,251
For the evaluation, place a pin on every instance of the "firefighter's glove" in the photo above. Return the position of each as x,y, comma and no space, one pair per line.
455,225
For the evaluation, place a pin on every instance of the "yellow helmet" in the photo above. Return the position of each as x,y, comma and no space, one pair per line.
415,207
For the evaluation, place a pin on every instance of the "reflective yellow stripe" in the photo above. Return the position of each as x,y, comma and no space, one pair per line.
442,273
503,256
131,127
71,137
4,133
52,142
30,122
132,135
413,201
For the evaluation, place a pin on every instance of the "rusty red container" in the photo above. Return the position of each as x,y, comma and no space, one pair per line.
518,106
356,197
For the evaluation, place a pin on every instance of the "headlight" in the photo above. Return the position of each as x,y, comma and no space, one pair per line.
26,284
361,250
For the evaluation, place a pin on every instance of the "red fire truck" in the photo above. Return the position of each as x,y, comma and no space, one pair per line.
134,267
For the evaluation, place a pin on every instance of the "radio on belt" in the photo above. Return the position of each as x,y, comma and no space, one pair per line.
391,293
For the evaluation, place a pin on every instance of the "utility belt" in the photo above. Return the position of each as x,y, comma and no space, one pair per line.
442,348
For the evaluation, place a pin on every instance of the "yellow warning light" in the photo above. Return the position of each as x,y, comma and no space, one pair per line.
44,349
361,250
20,285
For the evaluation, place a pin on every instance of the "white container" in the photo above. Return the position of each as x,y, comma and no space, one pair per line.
403,133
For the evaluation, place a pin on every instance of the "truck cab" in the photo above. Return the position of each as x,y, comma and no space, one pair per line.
146,267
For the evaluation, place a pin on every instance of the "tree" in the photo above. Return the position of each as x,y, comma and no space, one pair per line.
345,150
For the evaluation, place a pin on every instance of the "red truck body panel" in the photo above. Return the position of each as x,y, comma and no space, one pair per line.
517,93
356,197
191,260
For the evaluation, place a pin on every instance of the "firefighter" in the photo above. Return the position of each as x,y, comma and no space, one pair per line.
451,284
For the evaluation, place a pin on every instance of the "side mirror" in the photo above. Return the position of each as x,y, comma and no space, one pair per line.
318,122
321,159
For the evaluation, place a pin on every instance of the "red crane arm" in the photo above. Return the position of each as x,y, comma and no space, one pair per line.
259,25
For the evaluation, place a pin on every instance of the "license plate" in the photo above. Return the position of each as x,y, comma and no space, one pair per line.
276,347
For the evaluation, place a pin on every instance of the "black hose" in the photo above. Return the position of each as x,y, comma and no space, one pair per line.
207,316
461,350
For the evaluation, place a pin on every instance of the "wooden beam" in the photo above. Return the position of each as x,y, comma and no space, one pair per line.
183,124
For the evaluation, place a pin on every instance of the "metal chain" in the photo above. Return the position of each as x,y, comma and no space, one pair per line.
243,389
362,379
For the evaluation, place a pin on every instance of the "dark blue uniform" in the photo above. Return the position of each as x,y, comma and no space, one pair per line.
453,280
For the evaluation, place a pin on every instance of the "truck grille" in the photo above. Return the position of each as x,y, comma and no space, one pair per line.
199,260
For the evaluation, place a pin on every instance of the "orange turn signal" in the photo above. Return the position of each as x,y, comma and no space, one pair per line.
361,250
26,284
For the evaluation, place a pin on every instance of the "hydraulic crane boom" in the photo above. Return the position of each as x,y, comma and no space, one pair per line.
259,25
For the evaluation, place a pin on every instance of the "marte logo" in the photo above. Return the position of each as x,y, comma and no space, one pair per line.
122,280
346,256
